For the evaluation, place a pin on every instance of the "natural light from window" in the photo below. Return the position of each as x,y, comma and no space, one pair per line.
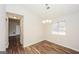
59,28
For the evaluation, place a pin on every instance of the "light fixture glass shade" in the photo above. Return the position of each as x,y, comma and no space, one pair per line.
43,21
46,21
50,21
14,17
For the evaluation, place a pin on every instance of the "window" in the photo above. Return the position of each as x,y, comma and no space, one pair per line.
59,28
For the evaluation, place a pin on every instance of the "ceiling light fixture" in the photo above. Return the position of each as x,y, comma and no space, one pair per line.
14,17
46,21
47,6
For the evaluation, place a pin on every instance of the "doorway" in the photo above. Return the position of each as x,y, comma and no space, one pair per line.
14,32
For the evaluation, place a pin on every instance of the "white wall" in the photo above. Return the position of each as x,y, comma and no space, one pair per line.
2,28
71,39
32,26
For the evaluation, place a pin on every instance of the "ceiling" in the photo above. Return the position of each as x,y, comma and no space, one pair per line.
56,10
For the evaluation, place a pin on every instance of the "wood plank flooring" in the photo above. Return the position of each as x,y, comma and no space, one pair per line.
46,47
43,47
15,47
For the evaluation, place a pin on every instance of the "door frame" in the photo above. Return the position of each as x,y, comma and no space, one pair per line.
19,17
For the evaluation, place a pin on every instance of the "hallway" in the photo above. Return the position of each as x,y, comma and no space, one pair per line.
15,47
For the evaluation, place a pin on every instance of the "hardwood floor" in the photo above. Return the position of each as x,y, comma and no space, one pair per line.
15,47
44,47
